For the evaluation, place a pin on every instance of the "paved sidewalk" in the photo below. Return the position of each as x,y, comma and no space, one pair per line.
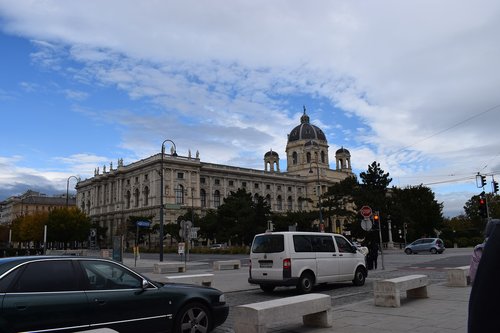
444,311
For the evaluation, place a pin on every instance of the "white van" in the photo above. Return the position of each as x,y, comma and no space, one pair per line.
304,259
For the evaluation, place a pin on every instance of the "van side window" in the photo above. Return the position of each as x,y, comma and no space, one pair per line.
343,244
302,243
323,244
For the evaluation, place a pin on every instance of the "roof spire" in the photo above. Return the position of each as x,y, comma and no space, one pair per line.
305,117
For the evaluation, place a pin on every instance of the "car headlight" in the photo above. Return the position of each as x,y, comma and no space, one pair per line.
222,299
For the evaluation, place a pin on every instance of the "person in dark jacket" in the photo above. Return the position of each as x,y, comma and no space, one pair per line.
485,292
373,253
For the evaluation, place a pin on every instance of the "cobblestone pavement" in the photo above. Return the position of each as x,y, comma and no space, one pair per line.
341,293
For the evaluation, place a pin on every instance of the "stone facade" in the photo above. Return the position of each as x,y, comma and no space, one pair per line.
111,196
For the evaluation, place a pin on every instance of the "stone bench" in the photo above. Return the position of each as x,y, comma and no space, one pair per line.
315,310
169,267
226,264
458,276
199,279
388,292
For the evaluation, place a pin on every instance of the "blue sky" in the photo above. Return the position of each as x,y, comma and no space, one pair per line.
412,85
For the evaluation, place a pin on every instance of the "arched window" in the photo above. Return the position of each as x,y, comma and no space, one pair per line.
82,206
136,197
146,196
308,157
127,199
203,198
179,194
88,207
268,199
216,198
294,158
322,157
256,198
289,204
279,203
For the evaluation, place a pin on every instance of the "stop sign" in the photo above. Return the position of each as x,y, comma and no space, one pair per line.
366,211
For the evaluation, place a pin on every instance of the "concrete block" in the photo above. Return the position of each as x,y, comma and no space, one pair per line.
169,267
226,264
199,279
458,276
388,292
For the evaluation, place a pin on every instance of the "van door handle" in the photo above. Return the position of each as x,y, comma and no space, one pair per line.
334,255
341,255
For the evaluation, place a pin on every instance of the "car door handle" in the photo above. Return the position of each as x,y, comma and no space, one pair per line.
21,307
99,301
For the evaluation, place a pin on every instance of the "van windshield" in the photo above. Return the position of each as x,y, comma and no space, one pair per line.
268,244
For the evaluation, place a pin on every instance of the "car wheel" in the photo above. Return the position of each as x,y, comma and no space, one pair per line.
408,251
433,251
359,277
306,283
193,318
267,288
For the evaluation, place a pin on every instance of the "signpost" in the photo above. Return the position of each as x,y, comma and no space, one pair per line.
139,224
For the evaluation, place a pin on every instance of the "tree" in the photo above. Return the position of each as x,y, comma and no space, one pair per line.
240,217
416,207
67,225
301,221
339,200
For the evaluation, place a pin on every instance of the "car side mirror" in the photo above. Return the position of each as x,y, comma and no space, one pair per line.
145,284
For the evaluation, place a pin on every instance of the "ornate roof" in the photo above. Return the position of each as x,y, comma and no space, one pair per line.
306,130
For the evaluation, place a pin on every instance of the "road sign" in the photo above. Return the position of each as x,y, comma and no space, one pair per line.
366,224
366,211
181,248
143,224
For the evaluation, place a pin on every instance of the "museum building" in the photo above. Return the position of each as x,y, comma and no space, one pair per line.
112,195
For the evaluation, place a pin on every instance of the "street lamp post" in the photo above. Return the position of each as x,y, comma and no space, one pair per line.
321,225
67,188
174,153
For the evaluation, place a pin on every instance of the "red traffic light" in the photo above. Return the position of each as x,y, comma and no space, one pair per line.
482,201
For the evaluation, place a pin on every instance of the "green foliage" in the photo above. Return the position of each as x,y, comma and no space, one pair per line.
302,221
238,219
67,225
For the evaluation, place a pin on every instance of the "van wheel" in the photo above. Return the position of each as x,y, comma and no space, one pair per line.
267,288
359,277
433,251
306,283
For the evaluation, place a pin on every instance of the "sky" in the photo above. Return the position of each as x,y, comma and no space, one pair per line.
413,85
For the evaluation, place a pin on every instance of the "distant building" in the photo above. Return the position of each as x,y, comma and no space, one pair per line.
112,195
31,202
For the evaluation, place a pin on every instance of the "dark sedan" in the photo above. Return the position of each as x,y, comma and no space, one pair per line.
68,294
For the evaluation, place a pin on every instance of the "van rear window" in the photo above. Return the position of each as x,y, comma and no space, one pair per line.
268,244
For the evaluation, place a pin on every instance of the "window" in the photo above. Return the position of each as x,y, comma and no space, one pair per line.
46,276
231,183
202,180
323,244
179,194
203,198
268,244
302,243
136,179
268,187
146,196
343,245
127,199
145,177
180,175
322,157
279,203
279,187
294,158
289,204
243,184
136,197
217,182
256,185
308,157
289,189
105,276
216,198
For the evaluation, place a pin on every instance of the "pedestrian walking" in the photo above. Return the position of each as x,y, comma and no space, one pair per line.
373,254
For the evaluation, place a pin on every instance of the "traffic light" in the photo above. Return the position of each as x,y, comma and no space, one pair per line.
376,221
483,181
483,211
495,187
